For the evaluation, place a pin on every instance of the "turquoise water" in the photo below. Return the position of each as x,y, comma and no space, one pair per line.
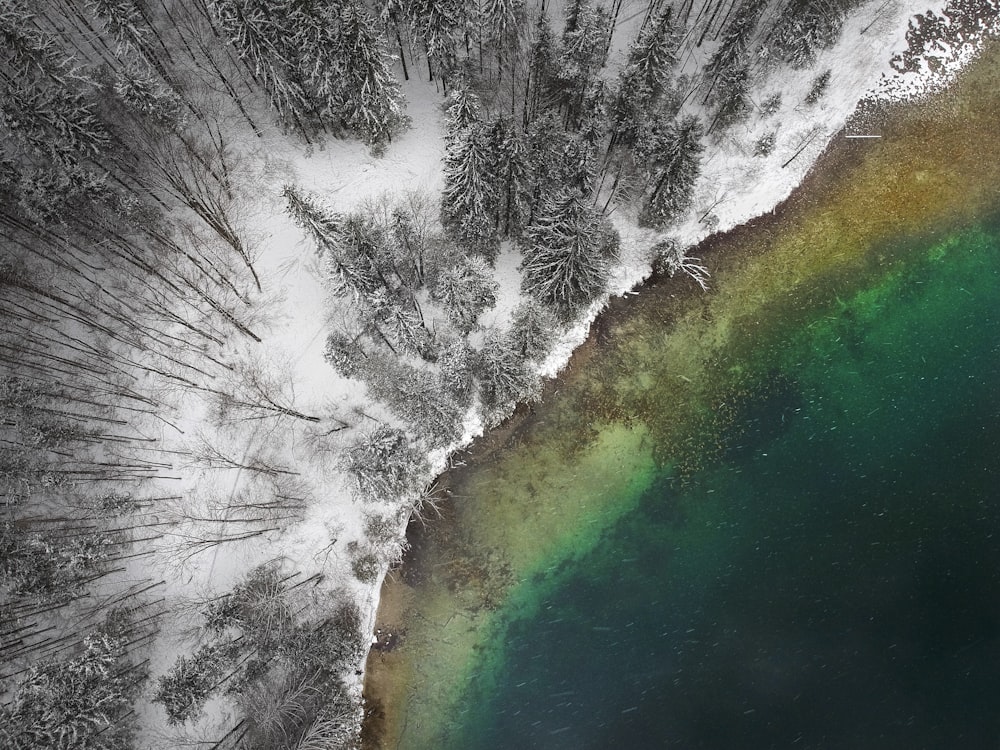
830,580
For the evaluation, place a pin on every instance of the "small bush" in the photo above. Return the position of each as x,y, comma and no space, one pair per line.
765,144
819,87
771,105
366,567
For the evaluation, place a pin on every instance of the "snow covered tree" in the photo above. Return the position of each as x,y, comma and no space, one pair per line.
819,86
505,378
467,199
542,89
346,354
675,164
396,317
50,565
507,175
805,27
726,76
439,24
354,248
567,254
373,106
503,22
457,369
465,289
48,113
258,32
545,148
82,702
414,394
383,464
584,52
184,690
533,329
322,226
463,112
503,26
652,57
732,98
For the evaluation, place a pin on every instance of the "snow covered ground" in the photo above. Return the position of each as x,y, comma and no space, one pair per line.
734,186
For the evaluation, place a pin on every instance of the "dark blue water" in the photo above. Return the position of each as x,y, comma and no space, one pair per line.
830,580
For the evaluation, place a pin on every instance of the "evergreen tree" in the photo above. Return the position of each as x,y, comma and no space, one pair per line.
463,112
805,27
81,702
465,289
505,378
415,395
373,103
645,81
257,32
322,226
732,98
675,162
567,254
468,199
507,175
542,90
503,22
819,86
383,464
532,330
184,690
457,371
652,57
727,74
439,24
584,52
546,144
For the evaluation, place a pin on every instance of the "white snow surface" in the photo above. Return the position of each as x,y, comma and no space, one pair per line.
734,186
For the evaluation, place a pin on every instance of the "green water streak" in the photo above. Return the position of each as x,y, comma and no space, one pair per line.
664,383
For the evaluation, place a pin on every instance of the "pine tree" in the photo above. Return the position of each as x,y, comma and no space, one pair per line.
505,378
819,86
465,289
46,101
675,158
532,330
457,371
464,110
584,52
383,464
652,57
468,199
503,21
256,31
374,104
542,90
507,175
567,254
82,702
805,27
732,98
184,690
323,227
439,24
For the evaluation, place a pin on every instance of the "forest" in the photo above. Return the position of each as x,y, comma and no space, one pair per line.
191,539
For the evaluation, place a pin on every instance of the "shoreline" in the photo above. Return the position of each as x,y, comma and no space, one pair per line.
718,252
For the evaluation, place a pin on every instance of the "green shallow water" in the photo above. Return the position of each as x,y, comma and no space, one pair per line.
762,517
830,579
